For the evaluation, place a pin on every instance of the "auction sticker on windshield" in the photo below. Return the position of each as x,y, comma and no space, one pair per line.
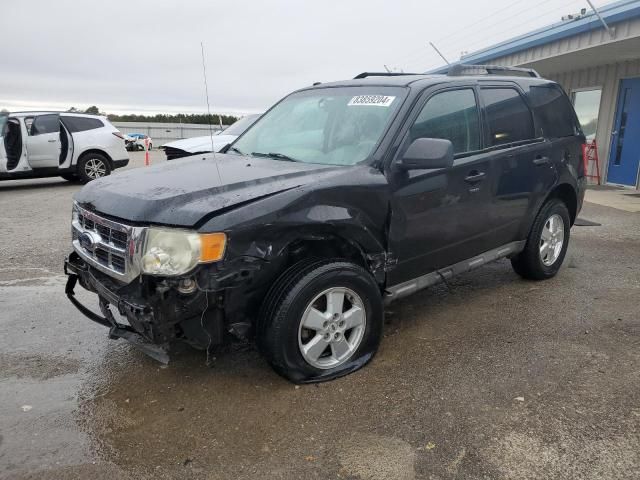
371,100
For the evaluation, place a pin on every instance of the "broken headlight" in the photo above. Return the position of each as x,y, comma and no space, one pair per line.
176,252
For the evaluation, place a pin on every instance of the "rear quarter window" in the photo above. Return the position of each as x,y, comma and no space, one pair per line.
553,110
81,124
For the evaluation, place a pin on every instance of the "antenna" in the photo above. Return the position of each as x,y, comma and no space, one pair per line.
439,53
206,91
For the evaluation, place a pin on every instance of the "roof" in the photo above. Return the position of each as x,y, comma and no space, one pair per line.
421,80
381,80
612,13
46,112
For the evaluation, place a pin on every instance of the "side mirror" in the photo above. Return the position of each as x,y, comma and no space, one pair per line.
427,153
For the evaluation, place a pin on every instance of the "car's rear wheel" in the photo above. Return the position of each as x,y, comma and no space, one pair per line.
321,320
92,166
547,243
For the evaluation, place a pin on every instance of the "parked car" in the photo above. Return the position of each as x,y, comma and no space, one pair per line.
74,146
136,141
342,198
195,145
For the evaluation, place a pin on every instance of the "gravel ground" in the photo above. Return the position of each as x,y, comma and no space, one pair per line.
492,377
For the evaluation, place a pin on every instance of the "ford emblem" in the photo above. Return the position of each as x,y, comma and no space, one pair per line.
89,240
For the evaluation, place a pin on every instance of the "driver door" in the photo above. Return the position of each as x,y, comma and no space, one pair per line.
441,217
43,140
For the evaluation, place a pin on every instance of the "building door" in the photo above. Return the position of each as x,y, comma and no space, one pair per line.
624,158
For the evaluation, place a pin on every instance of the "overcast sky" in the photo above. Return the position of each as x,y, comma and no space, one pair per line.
143,56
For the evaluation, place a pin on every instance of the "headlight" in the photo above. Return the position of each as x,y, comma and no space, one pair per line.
175,252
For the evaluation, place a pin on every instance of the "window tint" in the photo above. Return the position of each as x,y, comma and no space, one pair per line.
81,124
508,116
553,111
451,115
45,124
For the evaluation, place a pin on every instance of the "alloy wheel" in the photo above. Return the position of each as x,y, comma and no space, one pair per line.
332,328
551,240
95,168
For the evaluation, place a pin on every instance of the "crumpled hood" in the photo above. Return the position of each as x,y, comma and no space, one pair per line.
202,144
182,193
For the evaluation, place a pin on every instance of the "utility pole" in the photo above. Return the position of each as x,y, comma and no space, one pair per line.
606,27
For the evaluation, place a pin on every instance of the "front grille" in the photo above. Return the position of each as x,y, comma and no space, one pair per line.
105,245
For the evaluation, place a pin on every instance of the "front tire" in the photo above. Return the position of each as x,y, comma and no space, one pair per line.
321,320
547,243
92,166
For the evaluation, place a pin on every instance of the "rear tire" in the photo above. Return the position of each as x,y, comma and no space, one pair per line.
321,320
547,243
92,166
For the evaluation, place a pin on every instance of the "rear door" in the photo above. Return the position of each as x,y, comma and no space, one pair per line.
43,140
521,159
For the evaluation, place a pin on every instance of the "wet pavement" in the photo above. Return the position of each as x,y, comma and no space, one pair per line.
491,377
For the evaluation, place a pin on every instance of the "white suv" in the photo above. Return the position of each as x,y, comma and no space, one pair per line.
74,146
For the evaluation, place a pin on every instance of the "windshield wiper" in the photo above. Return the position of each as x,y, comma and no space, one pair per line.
275,155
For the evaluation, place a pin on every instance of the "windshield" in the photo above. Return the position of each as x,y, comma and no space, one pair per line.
333,126
238,128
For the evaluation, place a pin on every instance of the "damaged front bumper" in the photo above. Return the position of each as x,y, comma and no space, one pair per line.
156,312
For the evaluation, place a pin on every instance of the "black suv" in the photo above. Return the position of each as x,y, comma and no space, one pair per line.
341,198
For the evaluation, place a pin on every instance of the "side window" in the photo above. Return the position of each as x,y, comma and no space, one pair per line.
451,115
553,111
44,124
508,117
81,124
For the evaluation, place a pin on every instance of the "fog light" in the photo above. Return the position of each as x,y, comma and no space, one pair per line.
187,285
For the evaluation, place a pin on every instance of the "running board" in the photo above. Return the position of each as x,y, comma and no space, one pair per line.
407,288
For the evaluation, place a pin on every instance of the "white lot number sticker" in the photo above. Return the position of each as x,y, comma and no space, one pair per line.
371,100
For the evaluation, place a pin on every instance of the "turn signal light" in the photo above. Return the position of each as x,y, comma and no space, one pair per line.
212,246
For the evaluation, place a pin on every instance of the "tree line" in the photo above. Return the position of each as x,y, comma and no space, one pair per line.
214,118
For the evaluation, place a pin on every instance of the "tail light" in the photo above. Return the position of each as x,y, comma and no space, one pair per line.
118,134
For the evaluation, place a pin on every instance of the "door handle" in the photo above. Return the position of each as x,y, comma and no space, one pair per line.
475,177
541,160
51,141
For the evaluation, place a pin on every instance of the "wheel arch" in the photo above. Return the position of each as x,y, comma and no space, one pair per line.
567,193
98,151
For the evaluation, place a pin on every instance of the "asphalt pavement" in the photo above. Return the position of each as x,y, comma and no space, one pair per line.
490,377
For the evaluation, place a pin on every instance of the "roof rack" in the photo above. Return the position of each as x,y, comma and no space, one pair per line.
464,69
383,74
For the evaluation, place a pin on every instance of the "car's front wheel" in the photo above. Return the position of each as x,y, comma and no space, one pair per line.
92,166
321,320
547,243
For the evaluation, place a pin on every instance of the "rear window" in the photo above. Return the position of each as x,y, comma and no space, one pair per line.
508,117
553,111
81,124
